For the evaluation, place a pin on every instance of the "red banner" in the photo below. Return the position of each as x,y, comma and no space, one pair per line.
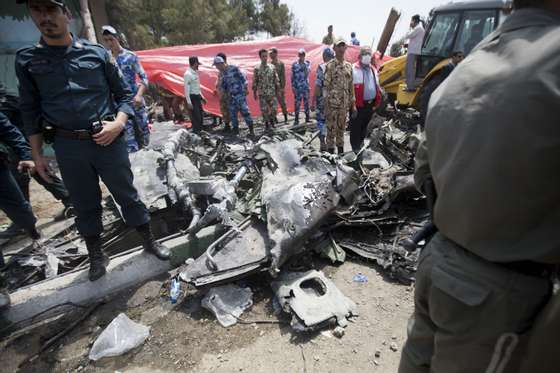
166,66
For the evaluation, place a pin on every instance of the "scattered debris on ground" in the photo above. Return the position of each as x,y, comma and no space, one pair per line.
262,206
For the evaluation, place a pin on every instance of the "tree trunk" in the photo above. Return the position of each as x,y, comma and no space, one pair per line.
89,30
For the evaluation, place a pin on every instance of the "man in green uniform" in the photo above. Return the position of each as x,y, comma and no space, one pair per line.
281,72
338,91
492,149
329,39
266,87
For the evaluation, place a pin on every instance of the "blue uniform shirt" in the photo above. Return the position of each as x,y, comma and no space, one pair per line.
234,81
300,76
131,67
11,138
69,86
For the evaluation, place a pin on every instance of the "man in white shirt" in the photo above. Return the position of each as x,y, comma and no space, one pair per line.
415,38
193,94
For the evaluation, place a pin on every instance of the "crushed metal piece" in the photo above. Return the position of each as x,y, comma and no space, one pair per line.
228,302
313,300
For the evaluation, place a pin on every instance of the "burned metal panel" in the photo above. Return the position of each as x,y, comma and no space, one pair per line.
313,299
244,253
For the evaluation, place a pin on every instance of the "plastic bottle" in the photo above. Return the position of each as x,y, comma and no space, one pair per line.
174,290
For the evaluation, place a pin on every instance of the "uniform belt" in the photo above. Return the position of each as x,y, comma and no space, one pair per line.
74,134
79,134
524,267
530,268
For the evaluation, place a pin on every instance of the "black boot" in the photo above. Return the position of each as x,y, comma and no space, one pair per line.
66,213
150,244
296,120
331,150
34,234
307,120
12,231
235,131
251,130
285,117
97,260
340,150
227,127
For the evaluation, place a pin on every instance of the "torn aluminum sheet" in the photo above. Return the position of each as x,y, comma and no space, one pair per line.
371,159
224,192
312,299
297,197
243,251
228,302
148,176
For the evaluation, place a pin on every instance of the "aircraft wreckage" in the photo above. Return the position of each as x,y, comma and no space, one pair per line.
234,207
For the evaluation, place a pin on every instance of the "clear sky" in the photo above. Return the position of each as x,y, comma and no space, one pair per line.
365,17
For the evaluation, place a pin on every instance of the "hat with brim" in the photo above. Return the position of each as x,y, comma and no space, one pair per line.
218,60
339,41
109,29
194,59
301,51
55,2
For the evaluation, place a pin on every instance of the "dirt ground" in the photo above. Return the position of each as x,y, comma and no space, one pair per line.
187,338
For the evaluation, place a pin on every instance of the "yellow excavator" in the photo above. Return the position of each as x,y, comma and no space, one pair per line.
456,26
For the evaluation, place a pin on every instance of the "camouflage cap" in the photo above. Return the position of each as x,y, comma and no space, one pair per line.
60,3
339,41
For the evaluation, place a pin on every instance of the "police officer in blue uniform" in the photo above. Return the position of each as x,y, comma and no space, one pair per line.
12,201
66,86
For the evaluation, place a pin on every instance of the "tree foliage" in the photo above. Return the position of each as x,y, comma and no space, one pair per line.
155,23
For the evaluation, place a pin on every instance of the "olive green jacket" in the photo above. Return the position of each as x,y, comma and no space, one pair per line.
493,144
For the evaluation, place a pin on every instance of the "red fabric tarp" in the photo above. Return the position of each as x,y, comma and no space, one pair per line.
166,66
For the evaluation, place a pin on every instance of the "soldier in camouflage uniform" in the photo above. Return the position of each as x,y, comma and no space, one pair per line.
234,83
266,85
300,84
224,98
339,96
281,72
318,98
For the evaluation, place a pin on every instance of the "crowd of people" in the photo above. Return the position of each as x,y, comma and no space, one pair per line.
488,161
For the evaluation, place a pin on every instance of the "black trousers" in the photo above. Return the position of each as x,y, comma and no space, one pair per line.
82,163
196,113
359,125
56,188
13,202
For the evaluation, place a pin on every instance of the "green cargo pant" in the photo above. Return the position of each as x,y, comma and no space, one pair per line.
462,306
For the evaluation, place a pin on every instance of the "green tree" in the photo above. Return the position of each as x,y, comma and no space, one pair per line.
275,18
154,23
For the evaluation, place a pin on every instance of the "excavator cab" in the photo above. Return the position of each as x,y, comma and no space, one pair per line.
457,26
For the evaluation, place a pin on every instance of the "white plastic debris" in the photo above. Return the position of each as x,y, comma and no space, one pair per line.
228,303
121,336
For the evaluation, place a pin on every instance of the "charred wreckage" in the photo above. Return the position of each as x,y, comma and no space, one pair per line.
229,208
